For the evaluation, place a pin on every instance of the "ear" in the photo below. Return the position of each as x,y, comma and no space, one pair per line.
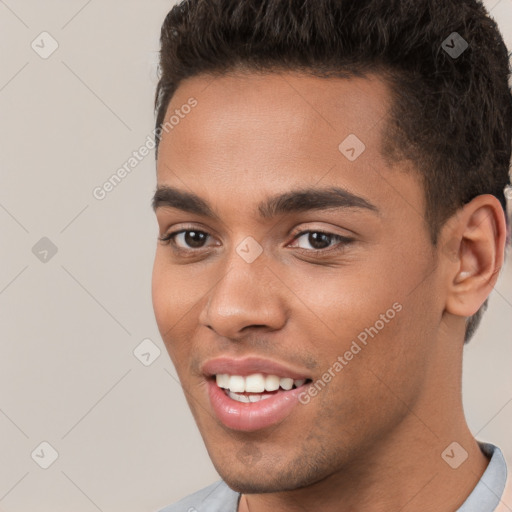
475,242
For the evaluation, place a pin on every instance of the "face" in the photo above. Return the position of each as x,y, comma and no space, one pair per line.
296,257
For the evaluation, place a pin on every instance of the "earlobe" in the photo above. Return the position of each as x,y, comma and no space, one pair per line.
480,235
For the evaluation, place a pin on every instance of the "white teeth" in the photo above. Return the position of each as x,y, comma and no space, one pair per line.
237,383
286,383
272,382
222,380
257,398
247,398
256,383
239,398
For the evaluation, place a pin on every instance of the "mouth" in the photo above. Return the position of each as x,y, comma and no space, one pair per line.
255,387
252,394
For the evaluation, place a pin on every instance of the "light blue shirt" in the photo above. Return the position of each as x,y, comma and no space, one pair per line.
485,497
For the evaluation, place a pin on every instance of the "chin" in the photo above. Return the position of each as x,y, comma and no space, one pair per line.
258,484
267,478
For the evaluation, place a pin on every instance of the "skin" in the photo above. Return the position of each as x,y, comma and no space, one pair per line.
372,438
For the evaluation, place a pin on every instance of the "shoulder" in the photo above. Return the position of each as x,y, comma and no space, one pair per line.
217,497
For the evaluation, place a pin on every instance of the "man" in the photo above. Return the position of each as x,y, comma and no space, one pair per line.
331,214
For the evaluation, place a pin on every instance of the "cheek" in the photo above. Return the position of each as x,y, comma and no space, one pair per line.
177,295
371,320
377,380
343,301
171,301
174,291
160,284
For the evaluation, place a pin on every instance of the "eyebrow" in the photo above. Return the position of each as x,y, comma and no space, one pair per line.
294,201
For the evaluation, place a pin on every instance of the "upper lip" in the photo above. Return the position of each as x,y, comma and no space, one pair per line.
249,365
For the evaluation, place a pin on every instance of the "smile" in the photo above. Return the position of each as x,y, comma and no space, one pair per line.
255,387
252,393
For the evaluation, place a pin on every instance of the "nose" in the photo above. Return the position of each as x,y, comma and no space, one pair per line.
247,296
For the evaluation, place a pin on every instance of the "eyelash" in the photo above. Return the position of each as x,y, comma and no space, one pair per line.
168,239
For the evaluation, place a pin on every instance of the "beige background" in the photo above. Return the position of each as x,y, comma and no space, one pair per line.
69,326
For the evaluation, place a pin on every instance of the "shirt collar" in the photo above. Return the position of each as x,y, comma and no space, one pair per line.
486,496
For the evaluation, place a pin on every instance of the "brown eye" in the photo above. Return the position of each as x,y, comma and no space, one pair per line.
194,239
319,240
186,239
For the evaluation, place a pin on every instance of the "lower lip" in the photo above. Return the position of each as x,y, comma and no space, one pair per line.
255,415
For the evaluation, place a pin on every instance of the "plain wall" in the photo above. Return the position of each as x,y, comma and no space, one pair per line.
125,438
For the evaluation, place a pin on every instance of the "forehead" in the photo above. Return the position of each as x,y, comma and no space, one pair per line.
268,132
291,112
